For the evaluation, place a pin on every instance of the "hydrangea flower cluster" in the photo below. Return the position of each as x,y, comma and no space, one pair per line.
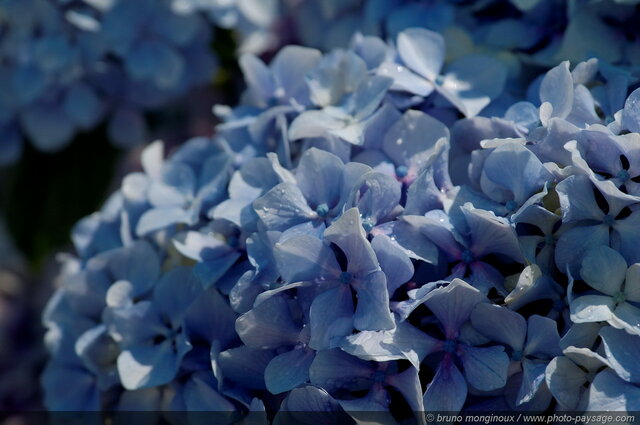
371,229
539,31
67,66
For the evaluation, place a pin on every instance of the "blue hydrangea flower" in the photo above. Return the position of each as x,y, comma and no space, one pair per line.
617,286
612,224
151,333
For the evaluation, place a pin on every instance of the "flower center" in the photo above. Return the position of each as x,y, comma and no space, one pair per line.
549,240
367,223
623,175
608,220
439,80
379,376
511,205
619,298
450,346
233,241
346,277
467,256
322,210
402,171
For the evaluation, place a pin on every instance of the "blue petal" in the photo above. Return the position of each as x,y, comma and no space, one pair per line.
161,218
268,325
610,393
290,67
138,264
210,318
415,244
491,234
413,138
626,233
631,112
83,105
565,379
372,310
447,391
331,317
404,342
472,82
422,51
334,370
557,89
347,232
176,291
533,376
405,80
305,258
622,351
257,77
395,263
368,96
318,175
627,317
151,365
301,402
245,366
199,396
485,368
377,195
408,383
436,226
543,338
572,245
514,168
282,207
288,370
604,269
592,308
453,305
47,126
500,324
60,396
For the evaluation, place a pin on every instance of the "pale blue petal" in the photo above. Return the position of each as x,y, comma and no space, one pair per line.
318,175
500,324
404,342
288,370
631,112
447,391
395,263
572,245
246,366
372,311
331,317
453,305
604,269
305,258
543,339
334,369
422,50
472,82
592,308
557,89
282,207
565,379
268,325
622,352
485,368
347,232
609,393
